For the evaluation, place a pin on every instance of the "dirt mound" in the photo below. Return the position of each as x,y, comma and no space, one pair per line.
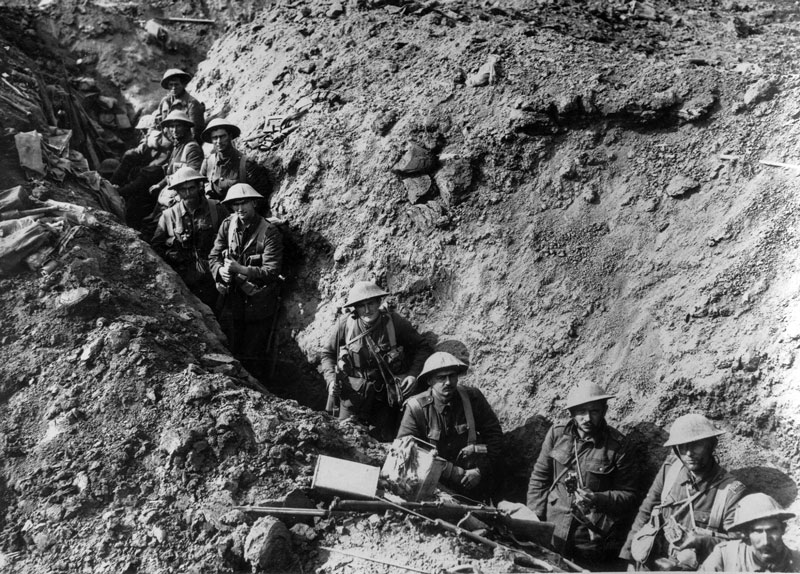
568,190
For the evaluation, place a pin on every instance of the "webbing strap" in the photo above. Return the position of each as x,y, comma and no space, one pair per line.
472,435
718,508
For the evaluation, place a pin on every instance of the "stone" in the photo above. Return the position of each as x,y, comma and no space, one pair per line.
216,359
454,181
384,122
416,160
117,338
92,350
335,11
590,195
681,185
760,91
303,532
340,254
268,545
417,187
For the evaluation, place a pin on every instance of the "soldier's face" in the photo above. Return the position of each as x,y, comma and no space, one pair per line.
697,456
190,194
175,87
766,538
177,131
589,416
221,140
443,384
369,310
244,209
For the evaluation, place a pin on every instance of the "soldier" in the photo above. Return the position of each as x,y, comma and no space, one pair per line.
146,159
584,480
226,165
178,98
690,505
459,422
762,522
186,231
246,263
372,349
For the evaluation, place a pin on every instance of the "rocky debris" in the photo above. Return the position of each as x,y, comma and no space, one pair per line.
681,185
417,187
416,160
268,546
761,91
454,180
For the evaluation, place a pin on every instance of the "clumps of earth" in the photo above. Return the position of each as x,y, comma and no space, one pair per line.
568,190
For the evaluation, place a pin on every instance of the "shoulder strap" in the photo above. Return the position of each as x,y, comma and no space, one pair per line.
243,169
472,435
718,508
670,479
390,332
231,232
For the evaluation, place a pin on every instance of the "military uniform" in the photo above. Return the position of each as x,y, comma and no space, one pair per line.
184,240
447,427
224,171
364,393
250,302
738,556
604,467
710,519
195,109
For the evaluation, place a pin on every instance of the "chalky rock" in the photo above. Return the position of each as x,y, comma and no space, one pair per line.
268,545
681,185
417,187
761,91
454,181
416,160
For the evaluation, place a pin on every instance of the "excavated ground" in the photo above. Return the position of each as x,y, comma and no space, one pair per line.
596,209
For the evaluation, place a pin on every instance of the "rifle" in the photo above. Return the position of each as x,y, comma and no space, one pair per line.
430,510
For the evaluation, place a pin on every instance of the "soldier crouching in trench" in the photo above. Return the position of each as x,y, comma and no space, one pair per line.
690,505
584,481
245,264
371,361
459,422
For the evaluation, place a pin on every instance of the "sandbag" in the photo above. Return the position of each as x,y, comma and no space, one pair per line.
13,198
23,242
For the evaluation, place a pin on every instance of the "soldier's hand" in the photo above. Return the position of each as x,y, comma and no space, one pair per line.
154,189
471,479
225,272
334,386
701,543
407,385
587,497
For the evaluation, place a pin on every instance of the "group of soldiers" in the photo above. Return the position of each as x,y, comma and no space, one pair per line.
695,516
205,215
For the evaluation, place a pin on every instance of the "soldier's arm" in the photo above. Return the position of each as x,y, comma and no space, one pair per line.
416,346
215,257
542,477
329,352
736,492
714,562
271,257
161,238
408,424
194,156
646,508
489,428
622,496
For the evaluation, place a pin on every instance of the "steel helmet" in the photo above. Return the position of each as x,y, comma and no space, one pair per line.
218,123
146,122
690,428
241,191
758,506
184,175
364,291
176,116
108,166
172,73
441,361
586,392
